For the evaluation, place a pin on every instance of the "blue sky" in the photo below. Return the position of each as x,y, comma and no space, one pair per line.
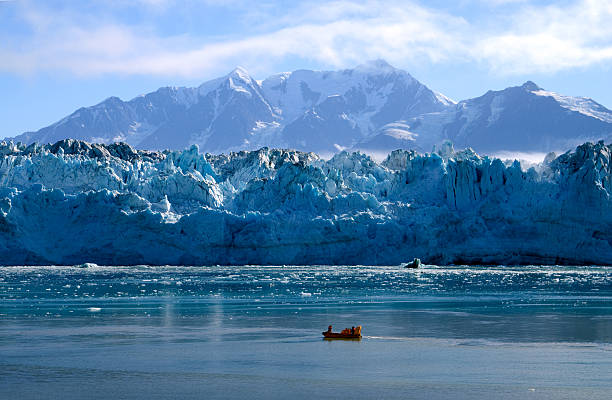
58,55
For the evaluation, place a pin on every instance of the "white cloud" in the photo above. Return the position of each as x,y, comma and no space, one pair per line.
549,39
340,33
374,30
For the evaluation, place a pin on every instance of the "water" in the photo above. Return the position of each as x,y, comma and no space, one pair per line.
255,332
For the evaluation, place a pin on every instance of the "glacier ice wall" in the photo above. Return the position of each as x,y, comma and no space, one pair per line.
74,202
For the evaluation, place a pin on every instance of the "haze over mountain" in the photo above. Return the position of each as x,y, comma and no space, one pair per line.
373,107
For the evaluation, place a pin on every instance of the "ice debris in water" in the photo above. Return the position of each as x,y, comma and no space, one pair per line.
74,202
88,265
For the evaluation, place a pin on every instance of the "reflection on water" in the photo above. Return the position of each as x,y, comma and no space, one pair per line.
442,332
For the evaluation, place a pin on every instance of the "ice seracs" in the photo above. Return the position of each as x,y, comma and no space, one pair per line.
75,202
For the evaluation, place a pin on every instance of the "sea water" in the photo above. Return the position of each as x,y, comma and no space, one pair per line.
255,332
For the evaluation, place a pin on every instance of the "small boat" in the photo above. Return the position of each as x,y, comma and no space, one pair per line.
347,333
416,263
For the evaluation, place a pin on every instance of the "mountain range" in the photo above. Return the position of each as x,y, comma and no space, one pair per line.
372,107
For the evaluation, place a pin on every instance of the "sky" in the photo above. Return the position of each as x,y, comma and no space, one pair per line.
59,55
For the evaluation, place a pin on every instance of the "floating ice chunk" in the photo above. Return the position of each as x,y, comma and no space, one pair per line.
87,265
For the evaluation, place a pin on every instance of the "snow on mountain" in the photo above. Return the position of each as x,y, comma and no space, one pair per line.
517,119
74,202
522,119
582,105
227,114
310,110
331,110
373,107
114,120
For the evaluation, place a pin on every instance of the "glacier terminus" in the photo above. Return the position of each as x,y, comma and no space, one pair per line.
75,202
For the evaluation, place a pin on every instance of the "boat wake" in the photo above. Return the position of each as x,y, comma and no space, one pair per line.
388,338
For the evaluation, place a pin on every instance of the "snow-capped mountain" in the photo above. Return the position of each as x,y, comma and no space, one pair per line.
523,118
227,113
114,120
528,117
329,111
373,107
308,110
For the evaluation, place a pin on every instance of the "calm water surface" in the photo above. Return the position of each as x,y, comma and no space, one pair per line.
255,332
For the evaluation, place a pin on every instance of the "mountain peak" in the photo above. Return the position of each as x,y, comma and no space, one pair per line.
240,73
378,65
530,86
239,80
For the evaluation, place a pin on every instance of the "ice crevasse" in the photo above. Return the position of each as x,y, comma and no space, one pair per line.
74,202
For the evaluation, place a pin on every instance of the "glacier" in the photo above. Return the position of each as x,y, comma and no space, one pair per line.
75,202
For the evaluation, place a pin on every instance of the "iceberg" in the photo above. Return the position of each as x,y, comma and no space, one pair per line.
74,202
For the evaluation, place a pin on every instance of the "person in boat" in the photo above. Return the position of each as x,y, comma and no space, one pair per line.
351,332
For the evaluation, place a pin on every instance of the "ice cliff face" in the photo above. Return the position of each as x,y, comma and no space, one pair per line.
75,202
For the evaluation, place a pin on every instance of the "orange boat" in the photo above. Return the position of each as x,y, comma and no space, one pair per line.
348,333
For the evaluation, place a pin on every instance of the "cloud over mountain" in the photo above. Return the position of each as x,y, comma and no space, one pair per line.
93,40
